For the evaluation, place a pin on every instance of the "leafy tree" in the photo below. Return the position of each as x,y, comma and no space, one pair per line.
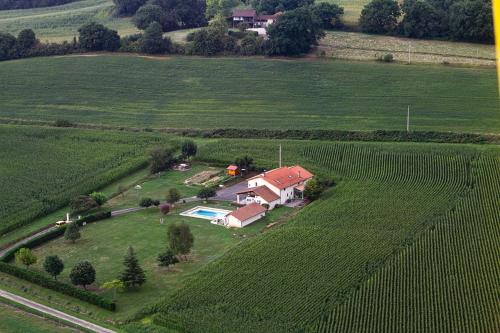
273,6
127,7
133,275
72,232
188,148
161,159
115,285
471,20
222,7
329,14
26,39
380,16
165,209
313,189
251,45
153,42
96,37
82,203
183,14
53,265
421,20
245,163
207,192
148,14
167,258
294,33
25,256
82,274
173,195
180,238
99,197
7,46
207,43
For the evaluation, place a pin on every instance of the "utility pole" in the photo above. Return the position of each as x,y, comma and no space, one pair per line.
408,120
409,53
280,155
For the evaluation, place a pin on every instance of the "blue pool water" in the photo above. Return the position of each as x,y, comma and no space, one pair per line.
208,213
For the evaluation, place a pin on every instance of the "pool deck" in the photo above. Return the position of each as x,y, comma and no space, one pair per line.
191,212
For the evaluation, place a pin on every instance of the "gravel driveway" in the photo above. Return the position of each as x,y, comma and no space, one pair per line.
229,193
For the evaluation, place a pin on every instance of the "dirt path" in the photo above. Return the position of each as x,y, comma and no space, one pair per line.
55,313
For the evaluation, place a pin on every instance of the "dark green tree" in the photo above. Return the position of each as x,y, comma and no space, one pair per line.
53,265
185,13
72,232
153,42
330,14
82,274
380,16
472,21
245,163
167,258
26,39
96,37
173,195
273,6
313,189
207,192
180,238
148,14
188,148
7,46
133,275
421,20
127,7
161,160
294,33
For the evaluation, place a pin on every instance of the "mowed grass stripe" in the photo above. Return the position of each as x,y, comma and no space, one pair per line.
249,93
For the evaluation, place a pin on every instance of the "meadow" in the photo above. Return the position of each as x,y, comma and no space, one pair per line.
183,92
59,23
44,168
396,209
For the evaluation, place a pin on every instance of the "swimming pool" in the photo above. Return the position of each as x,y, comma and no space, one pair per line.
206,213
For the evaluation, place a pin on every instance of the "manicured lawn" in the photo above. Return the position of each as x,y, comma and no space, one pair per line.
14,320
105,243
189,92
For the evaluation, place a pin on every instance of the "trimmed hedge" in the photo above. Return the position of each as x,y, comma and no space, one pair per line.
94,217
46,282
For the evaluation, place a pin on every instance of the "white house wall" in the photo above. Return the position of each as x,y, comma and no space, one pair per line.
235,223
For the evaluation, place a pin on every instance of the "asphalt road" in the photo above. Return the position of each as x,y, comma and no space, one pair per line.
54,312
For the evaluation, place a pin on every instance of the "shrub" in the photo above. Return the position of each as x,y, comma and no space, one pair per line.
386,58
63,123
207,192
99,197
146,202
165,209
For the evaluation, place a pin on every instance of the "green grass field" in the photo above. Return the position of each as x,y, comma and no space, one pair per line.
18,321
60,23
184,92
44,168
395,226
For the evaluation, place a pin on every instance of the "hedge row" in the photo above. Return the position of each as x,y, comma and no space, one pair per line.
338,135
47,282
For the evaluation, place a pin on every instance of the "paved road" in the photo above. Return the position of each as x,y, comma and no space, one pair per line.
25,240
229,193
54,312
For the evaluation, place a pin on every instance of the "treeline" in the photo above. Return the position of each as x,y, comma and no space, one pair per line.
459,20
24,4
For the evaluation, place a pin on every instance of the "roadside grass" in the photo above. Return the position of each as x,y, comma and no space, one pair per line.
59,23
359,46
189,92
18,321
104,244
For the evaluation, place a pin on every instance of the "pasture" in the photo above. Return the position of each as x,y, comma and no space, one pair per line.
59,23
359,46
42,169
397,227
188,92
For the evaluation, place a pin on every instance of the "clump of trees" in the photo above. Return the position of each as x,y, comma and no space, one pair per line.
161,159
461,20
96,37
274,6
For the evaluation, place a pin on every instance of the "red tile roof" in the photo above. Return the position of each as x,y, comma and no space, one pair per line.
232,167
244,13
246,212
262,191
286,176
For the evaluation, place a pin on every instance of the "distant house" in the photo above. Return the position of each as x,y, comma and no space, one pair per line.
250,17
245,215
233,170
276,186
